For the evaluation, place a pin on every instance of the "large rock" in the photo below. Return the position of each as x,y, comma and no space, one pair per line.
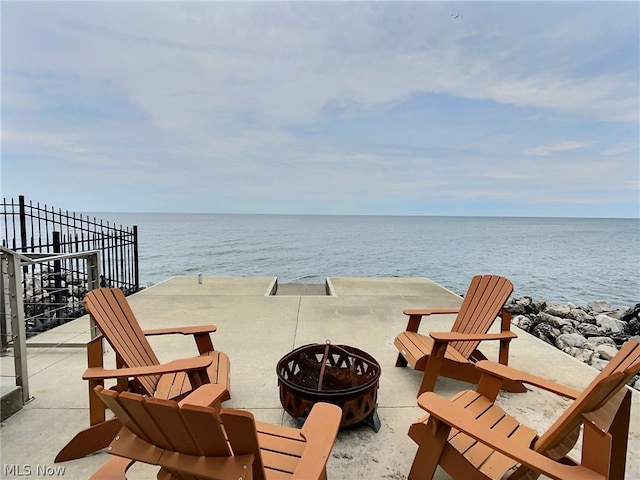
523,322
593,343
631,313
583,354
521,306
609,324
633,327
598,363
546,332
599,307
581,316
606,352
558,310
557,322
573,340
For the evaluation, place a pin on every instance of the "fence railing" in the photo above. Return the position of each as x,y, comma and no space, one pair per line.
16,311
53,290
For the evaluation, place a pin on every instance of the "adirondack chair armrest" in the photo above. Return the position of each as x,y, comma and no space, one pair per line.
189,330
509,373
415,315
200,335
207,395
459,418
319,430
182,365
471,337
429,311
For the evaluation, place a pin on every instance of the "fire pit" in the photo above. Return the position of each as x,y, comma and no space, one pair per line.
338,374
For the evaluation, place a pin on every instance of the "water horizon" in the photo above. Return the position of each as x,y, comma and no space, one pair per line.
557,259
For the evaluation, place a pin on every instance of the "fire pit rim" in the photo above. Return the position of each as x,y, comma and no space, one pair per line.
330,393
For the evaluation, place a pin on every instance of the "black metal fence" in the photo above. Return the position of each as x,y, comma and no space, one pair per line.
53,290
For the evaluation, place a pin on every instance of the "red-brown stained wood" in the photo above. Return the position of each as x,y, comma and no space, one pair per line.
196,442
486,443
135,360
454,355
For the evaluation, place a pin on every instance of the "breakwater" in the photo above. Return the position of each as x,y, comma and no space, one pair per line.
592,333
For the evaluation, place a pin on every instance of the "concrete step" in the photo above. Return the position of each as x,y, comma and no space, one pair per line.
301,289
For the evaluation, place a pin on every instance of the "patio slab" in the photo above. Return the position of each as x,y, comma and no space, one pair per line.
256,331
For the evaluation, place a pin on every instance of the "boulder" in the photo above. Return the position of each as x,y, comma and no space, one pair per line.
546,332
606,352
558,310
631,313
581,316
521,306
589,330
599,306
566,340
523,322
557,322
633,327
594,342
582,354
609,324
598,363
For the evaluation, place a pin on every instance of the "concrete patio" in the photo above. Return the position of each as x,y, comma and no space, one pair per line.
257,325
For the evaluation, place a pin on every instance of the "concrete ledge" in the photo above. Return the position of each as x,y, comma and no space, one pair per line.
11,402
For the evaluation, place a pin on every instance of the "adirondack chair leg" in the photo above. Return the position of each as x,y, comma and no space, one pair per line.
198,378
90,440
115,469
607,453
503,355
412,326
204,343
620,433
489,387
101,431
433,367
401,361
164,474
430,449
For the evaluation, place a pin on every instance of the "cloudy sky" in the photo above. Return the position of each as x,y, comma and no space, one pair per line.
512,108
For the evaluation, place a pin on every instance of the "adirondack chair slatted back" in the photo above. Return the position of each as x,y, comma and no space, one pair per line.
482,303
598,403
187,429
112,314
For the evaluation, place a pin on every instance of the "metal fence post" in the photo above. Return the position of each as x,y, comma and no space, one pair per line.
135,259
93,281
4,341
17,327
57,279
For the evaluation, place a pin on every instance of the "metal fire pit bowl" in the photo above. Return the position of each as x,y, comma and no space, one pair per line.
338,374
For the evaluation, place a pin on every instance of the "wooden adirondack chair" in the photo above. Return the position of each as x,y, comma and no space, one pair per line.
453,354
191,441
472,438
137,367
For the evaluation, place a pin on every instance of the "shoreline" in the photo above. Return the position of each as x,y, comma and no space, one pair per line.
592,333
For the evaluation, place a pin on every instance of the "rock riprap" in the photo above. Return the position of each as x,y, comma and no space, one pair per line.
592,333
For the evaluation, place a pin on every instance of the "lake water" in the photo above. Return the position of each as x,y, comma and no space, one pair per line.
562,260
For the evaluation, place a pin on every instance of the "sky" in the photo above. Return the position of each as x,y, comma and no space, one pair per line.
390,108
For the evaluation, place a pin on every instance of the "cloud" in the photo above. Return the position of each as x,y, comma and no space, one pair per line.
322,99
558,147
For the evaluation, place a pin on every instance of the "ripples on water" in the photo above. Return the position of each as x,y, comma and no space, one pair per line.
560,260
